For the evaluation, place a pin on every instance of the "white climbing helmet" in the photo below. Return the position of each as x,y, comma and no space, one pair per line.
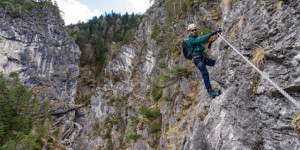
191,26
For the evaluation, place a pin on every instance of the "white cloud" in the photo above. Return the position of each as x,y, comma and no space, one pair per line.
140,5
75,11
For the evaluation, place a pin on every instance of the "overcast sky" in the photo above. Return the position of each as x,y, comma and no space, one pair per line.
83,10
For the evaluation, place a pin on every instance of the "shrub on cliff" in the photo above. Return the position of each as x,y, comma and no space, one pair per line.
296,124
149,113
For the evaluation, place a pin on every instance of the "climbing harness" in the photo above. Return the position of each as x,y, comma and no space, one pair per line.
203,56
290,98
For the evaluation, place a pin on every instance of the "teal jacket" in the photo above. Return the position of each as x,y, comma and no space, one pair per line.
196,43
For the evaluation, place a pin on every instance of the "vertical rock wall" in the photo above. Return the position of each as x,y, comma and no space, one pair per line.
40,50
250,114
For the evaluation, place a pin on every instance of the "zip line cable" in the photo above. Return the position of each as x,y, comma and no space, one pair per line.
290,98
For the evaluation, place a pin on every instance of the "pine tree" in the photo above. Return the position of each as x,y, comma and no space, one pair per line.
18,110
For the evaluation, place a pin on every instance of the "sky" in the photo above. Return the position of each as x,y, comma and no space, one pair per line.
83,10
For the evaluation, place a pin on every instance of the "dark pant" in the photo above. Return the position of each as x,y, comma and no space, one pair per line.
201,63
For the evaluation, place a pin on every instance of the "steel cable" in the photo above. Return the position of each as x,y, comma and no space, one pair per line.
290,98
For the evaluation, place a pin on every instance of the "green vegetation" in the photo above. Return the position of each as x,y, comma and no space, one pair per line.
96,36
156,92
57,132
134,122
159,33
173,75
167,96
225,52
116,101
176,9
166,79
130,108
100,41
116,78
155,30
155,126
270,91
157,95
109,144
20,113
133,136
96,128
162,53
162,65
175,50
114,122
205,31
167,128
154,118
149,113
19,8
296,124
107,126
129,36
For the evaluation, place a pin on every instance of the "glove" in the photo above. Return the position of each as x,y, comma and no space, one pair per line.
211,38
218,31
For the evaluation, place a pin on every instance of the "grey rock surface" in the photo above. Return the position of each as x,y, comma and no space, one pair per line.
245,116
249,114
45,58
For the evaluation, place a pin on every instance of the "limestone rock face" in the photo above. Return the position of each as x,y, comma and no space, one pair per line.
45,58
249,114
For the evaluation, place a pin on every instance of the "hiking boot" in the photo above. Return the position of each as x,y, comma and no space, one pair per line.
213,93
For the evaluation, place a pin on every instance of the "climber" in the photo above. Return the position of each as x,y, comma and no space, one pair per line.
196,45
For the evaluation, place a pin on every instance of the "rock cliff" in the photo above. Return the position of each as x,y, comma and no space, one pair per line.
152,97
40,50
249,114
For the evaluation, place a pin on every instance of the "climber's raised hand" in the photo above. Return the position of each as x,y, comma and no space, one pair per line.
218,31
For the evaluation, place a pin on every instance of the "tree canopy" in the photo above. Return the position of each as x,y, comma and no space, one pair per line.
95,37
17,115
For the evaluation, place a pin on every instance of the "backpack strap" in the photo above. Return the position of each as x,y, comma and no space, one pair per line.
189,47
